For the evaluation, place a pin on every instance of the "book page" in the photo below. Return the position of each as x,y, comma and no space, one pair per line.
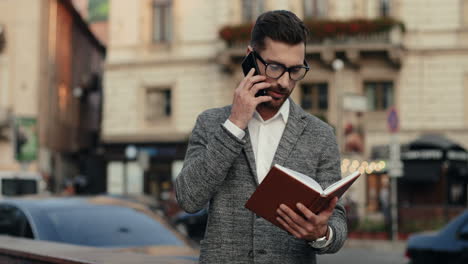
341,182
302,178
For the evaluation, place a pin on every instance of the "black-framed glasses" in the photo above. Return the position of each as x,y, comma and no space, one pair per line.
276,70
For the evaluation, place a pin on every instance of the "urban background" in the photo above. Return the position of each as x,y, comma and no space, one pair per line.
100,96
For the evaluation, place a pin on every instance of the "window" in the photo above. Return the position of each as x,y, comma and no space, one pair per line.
315,98
315,8
379,95
109,226
251,9
162,21
13,222
384,8
464,14
158,104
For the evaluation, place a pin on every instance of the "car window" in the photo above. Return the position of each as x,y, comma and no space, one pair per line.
464,229
110,226
13,222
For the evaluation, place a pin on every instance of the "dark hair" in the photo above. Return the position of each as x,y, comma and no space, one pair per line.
279,25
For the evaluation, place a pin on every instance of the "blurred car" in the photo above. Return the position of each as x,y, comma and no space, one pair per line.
192,224
97,221
449,245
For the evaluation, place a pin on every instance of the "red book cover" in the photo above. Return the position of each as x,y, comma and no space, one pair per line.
286,186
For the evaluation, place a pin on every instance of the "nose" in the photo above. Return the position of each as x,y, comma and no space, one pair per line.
284,80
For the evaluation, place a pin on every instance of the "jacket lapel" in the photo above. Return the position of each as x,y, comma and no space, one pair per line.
291,134
250,155
248,150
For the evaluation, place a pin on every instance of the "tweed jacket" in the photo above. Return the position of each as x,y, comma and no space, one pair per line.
219,169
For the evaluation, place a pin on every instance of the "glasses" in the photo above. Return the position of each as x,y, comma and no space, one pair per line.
276,70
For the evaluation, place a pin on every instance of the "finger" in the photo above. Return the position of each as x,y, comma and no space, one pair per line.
288,228
331,206
290,212
294,220
252,80
251,72
263,99
293,228
307,213
246,78
258,78
259,86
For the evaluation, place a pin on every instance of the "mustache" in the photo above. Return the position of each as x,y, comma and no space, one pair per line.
279,89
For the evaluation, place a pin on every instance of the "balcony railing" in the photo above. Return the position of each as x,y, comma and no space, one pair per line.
327,38
381,30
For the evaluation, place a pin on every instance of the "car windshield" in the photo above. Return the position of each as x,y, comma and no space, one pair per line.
110,226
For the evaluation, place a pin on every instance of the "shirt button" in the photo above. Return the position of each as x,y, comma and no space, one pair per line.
261,251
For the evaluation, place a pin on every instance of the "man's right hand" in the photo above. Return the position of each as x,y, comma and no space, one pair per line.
245,102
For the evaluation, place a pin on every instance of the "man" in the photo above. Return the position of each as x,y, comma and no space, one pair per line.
231,150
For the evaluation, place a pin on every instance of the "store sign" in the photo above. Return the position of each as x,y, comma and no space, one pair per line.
457,155
423,154
26,141
355,103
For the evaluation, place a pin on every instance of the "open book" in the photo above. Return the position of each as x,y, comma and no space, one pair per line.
289,187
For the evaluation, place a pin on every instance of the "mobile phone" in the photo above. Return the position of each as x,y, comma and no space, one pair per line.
248,63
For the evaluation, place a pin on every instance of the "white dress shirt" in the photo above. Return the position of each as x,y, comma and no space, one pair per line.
265,137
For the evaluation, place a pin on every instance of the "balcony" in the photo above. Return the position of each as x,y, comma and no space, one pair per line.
328,39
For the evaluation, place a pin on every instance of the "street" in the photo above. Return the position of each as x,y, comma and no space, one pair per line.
367,252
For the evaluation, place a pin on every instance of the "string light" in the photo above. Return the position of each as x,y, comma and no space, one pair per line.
350,166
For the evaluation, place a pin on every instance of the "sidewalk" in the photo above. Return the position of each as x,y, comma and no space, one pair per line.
385,245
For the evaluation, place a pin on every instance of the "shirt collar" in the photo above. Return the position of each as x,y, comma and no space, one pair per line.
283,112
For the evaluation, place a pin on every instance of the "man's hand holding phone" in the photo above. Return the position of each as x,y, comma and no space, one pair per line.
245,102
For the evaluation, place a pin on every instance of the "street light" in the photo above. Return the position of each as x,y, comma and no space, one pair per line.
338,65
130,154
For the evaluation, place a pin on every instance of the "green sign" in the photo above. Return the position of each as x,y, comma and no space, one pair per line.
98,10
26,141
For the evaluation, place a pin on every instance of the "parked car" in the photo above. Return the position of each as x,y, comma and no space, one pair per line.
449,245
96,221
193,225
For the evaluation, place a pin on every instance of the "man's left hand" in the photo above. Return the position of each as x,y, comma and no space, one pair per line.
310,226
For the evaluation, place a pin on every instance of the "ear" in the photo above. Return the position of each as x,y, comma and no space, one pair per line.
249,49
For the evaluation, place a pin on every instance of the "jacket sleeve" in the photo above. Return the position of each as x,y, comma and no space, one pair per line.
328,172
209,157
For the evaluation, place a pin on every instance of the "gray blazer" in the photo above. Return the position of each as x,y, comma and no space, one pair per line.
220,169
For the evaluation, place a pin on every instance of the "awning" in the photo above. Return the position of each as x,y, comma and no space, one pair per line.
422,171
424,157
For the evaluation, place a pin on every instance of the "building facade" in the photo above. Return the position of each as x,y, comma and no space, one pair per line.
169,60
70,107
22,28
51,69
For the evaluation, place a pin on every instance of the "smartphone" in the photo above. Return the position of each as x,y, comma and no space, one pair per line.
248,63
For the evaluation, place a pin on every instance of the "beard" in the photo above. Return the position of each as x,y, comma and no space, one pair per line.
279,95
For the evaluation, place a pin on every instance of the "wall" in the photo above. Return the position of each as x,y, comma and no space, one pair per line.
21,64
